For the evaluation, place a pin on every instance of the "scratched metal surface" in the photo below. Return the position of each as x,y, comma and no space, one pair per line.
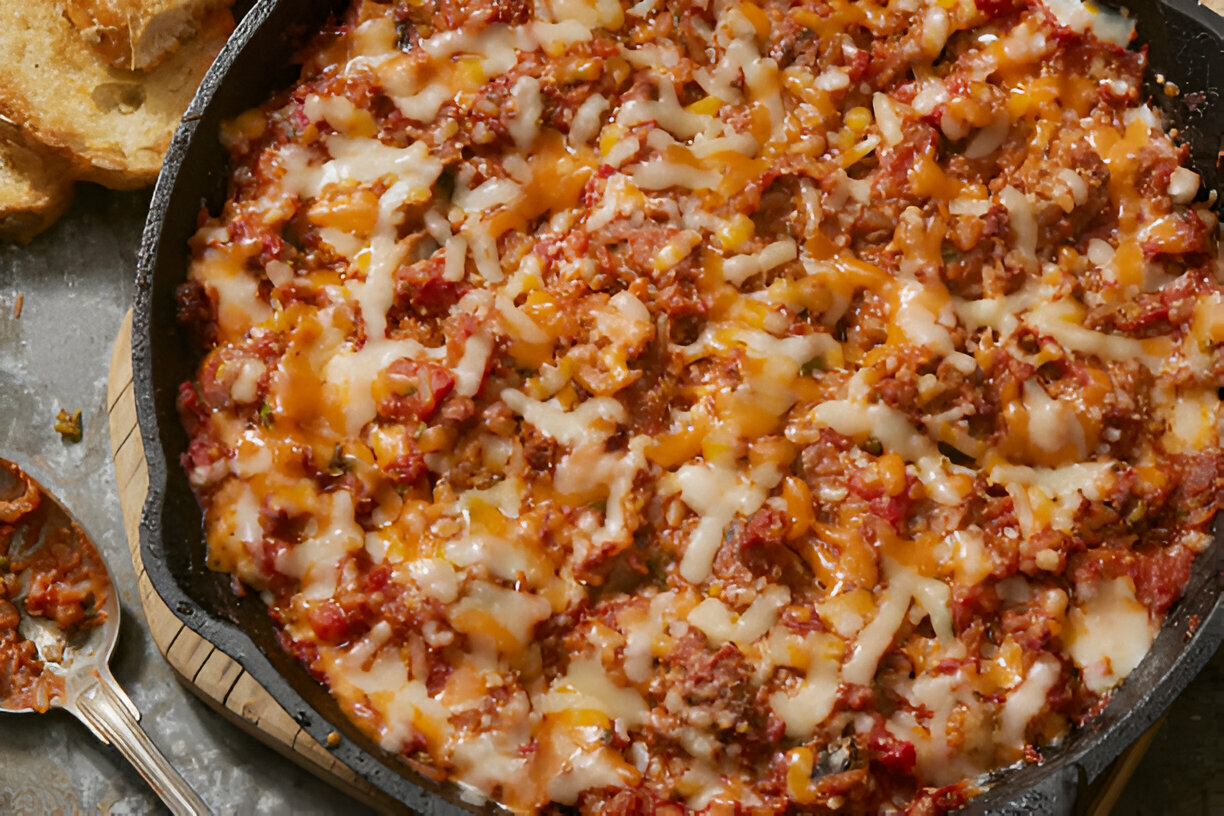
77,284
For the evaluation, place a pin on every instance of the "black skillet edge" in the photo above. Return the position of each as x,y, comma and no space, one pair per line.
193,175
1185,44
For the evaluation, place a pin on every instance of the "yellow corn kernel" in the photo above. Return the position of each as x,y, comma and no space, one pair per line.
1151,478
808,19
708,106
542,310
470,73
759,19
798,500
532,283
892,473
567,396
359,451
436,438
799,775
735,231
579,70
608,139
1018,102
858,151
310,134
858,119
362,260
249,125
618,69
718,446
676,250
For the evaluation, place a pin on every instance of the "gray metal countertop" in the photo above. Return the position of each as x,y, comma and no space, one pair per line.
76,281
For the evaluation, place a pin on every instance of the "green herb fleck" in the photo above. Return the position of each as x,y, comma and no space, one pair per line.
810,366
339,464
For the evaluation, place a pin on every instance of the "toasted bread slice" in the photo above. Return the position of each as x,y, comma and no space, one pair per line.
35,187
116,125
138,34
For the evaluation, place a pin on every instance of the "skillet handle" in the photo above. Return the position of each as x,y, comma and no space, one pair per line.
110,714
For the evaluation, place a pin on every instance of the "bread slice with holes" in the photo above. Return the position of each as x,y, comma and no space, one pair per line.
114,125
138,34
35,187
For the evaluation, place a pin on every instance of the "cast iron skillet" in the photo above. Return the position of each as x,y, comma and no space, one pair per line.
1185,44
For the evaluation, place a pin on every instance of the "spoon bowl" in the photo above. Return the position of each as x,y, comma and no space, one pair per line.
59,585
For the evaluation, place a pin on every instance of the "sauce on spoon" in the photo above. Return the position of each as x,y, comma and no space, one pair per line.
49,569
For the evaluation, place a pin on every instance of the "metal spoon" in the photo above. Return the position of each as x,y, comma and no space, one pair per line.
35,522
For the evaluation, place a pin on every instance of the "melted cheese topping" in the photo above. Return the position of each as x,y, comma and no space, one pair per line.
704,400
1108,633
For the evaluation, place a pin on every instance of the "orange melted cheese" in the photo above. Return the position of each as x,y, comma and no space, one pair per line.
733,405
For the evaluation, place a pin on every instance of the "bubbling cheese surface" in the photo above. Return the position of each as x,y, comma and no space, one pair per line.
710,404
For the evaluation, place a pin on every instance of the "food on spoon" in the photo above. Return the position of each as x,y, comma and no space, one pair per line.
629,408
47,570
139,34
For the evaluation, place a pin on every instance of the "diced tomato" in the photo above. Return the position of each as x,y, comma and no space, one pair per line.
898,756
330,622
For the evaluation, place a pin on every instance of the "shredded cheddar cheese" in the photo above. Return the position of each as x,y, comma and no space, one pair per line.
711,405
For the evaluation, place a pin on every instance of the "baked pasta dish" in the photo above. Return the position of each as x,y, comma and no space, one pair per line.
714,405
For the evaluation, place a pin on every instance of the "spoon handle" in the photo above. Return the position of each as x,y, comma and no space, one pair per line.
109,713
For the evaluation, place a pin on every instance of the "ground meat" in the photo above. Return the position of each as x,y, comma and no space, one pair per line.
411,391
715,687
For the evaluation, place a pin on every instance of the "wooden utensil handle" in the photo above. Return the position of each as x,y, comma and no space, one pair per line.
109,713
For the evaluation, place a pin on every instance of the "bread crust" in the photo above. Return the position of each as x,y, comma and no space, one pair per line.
139,34
114,125
36,187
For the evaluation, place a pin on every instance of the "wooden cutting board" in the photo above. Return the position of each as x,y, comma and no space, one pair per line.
227,688
201,666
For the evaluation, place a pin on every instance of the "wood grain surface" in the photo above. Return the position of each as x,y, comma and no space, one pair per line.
228,689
